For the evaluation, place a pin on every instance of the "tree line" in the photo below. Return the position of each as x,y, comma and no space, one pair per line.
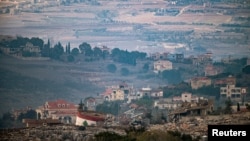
93,53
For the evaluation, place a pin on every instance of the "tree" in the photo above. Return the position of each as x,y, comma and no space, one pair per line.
97,52
68,48
45,51
85,123
238,106
124,72
75,51
247,106
115,52
228,109
31,114
112,68
172,76
70,58
145,67
109,107
246,69
37,42
85,49
57,51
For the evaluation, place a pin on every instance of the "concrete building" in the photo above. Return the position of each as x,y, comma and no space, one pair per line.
187,97
167,103
233,92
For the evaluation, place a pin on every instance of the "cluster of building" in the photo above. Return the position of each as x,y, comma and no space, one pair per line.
18,51
228,88
67,112
62,111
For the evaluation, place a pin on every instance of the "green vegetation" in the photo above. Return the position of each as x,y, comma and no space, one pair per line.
228,109
111,68
127,57
109,107
8,121
178,89
172,76
208,91
124,72
246,69
146,101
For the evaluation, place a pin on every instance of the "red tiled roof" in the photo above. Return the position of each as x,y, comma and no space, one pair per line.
107,92
91,116
54,104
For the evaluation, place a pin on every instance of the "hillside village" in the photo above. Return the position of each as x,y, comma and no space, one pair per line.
123,105
134,70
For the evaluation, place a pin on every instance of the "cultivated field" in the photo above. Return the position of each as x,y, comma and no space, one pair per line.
131,25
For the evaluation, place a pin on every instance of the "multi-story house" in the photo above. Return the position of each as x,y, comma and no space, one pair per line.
233,92
146,91
199,82
177,101
230,80
119,92
58,109
31,48
156,93
113,94
187,97
167,103
162,65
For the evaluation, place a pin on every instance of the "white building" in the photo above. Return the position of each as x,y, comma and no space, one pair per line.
187,97
167,103
235,93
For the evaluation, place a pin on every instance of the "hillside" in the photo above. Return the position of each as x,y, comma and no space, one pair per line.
31,83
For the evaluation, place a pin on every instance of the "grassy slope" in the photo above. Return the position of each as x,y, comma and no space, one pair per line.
31,83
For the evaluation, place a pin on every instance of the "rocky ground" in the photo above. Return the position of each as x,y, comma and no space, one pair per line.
195,126
54,133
